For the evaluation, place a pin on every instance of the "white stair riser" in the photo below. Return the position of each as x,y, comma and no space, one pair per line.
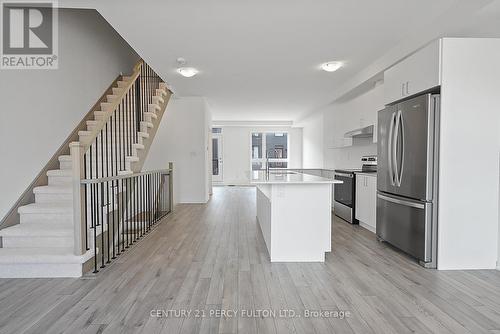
40,270
111,98
36,241
65,164
53,198
153,108
105,106
33,218
60,180
161,92
158,100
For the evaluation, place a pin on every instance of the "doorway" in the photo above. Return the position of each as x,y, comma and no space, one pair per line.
217,154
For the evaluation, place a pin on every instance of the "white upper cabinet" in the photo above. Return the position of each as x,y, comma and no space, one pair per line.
417,73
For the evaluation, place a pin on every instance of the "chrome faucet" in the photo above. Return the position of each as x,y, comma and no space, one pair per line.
275,151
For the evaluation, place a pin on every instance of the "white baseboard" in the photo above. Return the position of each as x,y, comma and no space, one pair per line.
367,227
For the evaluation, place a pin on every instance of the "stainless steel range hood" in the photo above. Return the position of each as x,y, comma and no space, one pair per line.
365,132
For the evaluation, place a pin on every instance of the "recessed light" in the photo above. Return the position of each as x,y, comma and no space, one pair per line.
187,72
331,66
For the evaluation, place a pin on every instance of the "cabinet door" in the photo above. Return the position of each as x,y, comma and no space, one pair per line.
371,200
361,198
415,74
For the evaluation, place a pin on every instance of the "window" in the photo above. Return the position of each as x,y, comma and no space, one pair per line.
272,146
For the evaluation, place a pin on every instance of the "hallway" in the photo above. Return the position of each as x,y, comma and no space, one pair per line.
205,258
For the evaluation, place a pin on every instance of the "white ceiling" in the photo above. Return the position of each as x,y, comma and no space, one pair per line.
259,59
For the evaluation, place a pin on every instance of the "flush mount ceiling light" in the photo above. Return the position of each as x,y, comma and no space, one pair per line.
331,66
187,72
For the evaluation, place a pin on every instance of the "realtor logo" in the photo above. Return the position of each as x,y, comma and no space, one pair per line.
29,35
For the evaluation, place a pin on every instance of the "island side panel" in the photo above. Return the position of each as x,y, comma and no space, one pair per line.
301,222
263,194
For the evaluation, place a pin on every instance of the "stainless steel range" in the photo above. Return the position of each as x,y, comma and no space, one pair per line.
344,205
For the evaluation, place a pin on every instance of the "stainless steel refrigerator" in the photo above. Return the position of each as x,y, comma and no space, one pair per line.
407,176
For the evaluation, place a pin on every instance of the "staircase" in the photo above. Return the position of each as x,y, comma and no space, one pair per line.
46,242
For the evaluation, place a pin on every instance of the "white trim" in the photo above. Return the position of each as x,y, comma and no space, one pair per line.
367,227
217,124
218,178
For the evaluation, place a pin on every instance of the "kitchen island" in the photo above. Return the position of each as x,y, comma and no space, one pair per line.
294,211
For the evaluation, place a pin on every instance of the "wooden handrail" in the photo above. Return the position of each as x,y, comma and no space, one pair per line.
93,135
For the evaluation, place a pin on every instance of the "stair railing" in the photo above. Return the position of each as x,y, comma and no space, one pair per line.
109,149
133,205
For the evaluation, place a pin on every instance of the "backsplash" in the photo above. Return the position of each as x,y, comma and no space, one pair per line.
350,157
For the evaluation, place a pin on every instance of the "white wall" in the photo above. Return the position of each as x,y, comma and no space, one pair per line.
236,150
469,165
40,108
313,141
183,138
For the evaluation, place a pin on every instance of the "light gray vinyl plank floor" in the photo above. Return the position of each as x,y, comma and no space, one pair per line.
211,258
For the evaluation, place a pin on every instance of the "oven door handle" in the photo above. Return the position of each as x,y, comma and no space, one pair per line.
344,175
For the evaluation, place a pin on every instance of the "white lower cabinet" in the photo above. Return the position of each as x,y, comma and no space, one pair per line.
366,200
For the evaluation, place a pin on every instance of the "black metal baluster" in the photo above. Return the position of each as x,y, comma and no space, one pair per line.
135,207
102,224
126,128
114,216
162,184
120,129
143,90
130,115
112,142
107,192
141,215
94,223
156,197
151,200
137,108
124,206
132,209
125,216
96,200
102,199
120,216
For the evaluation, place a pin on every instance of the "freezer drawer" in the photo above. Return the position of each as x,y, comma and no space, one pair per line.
406,224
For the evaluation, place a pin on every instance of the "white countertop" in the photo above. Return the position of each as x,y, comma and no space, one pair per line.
287,177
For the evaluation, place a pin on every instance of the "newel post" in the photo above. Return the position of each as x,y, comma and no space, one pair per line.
79,206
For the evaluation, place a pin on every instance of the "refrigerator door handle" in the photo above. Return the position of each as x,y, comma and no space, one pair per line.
390,148
402,202
394,149
400,141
